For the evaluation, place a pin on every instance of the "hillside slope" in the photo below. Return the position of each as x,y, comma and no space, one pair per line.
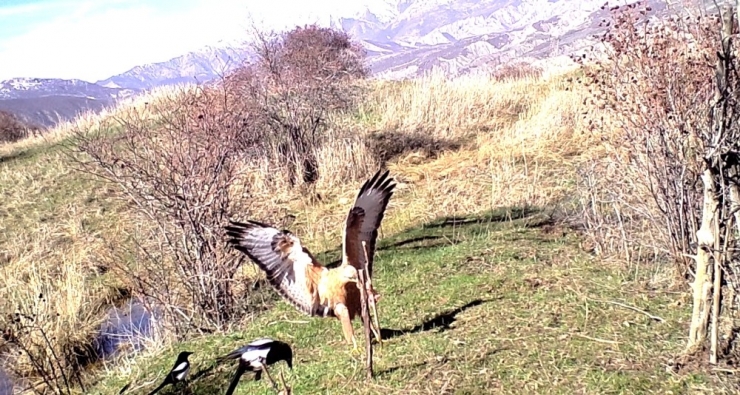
482,287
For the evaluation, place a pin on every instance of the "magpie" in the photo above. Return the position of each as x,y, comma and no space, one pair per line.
178,372
256,356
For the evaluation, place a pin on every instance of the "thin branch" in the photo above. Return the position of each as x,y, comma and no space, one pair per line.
626,306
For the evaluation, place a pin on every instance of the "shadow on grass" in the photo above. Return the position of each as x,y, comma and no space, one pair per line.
212,380
417,365
503,214
32,152
441,322
14,156
450,230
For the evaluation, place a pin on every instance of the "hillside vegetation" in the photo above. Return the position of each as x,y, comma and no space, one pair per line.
501,268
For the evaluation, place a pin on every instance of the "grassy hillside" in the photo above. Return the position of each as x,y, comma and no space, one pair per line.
492,302
483,291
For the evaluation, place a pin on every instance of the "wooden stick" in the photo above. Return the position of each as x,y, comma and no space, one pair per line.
286,390
626,306
264,368
374,310
719,261
366,325
372,306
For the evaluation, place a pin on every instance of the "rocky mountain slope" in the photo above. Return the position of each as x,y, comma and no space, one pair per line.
406,38
194,67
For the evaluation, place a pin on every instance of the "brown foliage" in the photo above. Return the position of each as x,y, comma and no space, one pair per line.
13,128
299,79
653,84
175,161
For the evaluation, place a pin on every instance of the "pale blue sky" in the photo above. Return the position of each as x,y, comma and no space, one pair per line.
95,39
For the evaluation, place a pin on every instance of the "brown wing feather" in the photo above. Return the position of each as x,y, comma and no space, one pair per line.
290,267
363,220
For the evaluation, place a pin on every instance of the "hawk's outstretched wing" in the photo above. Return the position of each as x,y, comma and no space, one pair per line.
290,268
363,220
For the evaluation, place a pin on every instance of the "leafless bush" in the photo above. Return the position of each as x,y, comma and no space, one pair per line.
13,128
58,369
654,84
299,79
176,161
668,94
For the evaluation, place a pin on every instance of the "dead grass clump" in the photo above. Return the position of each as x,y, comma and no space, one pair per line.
451,109
516,71
50,302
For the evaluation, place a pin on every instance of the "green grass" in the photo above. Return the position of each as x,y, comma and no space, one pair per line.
39,186
499,303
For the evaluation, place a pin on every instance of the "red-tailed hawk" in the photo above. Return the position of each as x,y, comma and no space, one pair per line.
294,272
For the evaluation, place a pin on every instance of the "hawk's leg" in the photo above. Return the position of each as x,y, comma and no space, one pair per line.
341,311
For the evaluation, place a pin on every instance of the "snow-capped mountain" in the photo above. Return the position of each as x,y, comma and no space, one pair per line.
48,101
23,88
194,67
463,36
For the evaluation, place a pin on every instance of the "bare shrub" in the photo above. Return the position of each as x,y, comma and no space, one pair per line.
57,368
516,71
654,85
299,79
13,128
667,93
175,161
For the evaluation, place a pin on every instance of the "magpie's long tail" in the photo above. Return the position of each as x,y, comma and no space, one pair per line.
159,388
232,386
232,355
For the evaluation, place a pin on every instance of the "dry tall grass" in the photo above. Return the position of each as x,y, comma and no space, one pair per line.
487,144
518,142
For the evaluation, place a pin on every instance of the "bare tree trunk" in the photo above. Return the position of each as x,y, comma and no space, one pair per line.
702,282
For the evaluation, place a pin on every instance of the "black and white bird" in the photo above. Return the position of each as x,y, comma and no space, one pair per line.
256,356
178,373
